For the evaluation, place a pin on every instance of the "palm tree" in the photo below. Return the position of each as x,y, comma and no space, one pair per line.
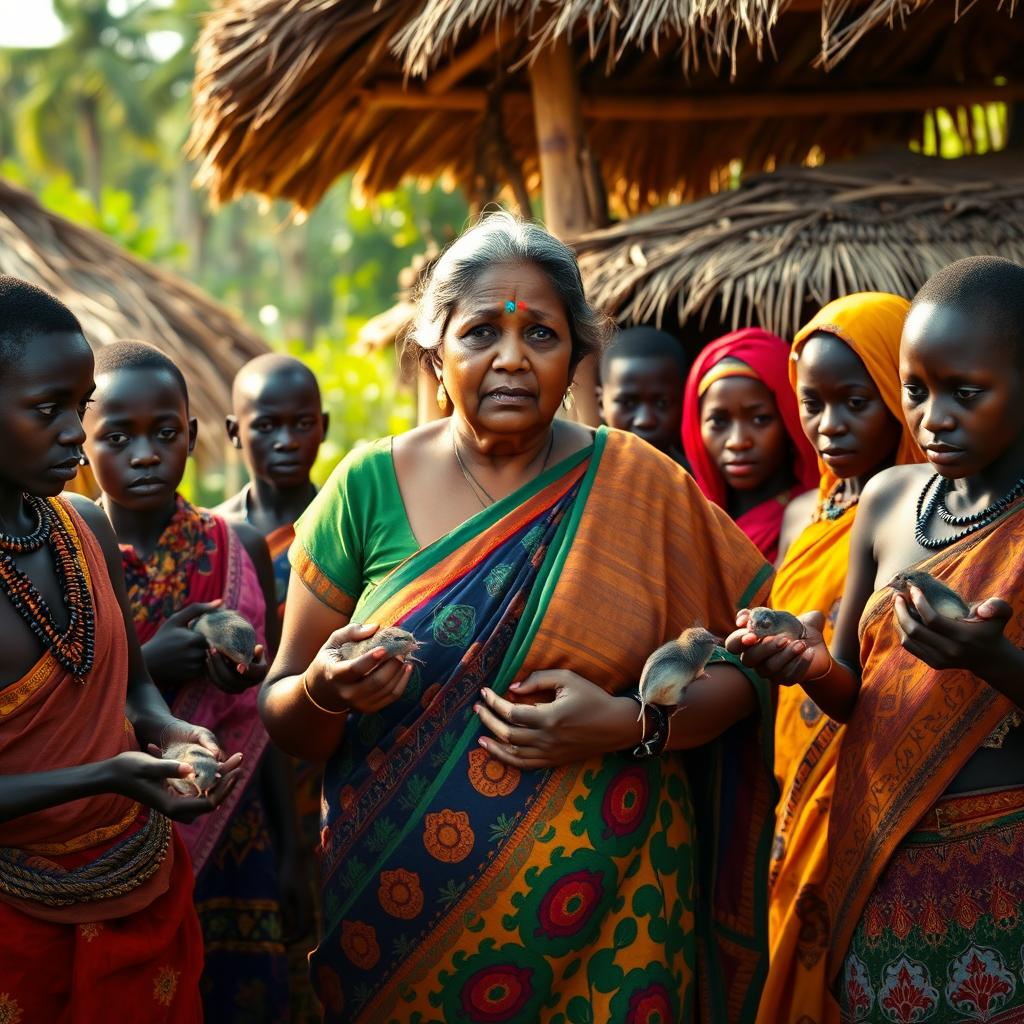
95,82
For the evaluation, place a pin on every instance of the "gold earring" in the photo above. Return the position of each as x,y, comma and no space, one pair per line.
569,399
442,397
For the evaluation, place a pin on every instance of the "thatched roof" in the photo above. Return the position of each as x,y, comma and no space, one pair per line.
775,250
289,94
117,297
782,245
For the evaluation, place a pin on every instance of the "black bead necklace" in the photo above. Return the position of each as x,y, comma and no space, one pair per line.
935,504
74,646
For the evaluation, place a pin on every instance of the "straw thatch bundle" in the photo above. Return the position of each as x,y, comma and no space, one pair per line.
779,247
782,245
116,297
289,94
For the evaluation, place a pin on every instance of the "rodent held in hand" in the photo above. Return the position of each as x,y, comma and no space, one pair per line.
202,763
229,633
673,666
399,643
943,599
773,622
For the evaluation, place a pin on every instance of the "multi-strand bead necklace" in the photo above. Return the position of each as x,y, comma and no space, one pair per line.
74,646
936,504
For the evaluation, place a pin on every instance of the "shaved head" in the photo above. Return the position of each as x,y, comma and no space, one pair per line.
271,369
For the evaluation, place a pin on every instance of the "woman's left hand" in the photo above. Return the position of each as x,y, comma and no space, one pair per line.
945,643
579,721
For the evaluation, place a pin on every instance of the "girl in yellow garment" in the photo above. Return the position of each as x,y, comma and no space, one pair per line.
845,371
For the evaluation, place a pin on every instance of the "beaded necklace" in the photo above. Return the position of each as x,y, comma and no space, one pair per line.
830,509
971,523
74,647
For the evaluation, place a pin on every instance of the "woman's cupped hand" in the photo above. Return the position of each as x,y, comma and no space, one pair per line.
367,683
576,720
780,659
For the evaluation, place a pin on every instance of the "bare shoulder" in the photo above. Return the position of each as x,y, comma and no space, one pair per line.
233,508
96,519
893,491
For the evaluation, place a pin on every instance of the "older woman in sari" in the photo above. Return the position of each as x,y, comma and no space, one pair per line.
503,838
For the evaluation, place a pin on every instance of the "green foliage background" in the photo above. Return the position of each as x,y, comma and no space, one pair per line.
95,126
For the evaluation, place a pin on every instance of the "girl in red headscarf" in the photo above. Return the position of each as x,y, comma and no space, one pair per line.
742,435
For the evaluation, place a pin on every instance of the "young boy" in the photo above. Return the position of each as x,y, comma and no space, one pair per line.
181,562
278,424
643,373
920,914
96,917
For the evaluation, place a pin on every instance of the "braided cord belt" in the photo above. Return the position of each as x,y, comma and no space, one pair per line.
121,869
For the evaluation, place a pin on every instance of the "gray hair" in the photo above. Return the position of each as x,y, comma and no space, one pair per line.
500,239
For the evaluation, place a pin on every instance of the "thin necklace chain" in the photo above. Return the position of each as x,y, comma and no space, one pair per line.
478,488
975,522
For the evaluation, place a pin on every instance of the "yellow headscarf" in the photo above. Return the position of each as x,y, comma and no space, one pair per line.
871,323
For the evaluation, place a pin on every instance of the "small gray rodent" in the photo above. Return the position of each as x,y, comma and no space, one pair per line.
396,641
773,622
228,633
673,666
202,763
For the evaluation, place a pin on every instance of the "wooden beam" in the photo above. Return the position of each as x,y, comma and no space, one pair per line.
449,74
726,107
562,150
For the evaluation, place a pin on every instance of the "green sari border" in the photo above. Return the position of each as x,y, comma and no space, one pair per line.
530,622
755,585
424,559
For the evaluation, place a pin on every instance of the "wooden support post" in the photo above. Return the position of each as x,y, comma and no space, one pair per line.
561,147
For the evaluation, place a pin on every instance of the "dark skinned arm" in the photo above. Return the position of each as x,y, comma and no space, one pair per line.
830,678
133,774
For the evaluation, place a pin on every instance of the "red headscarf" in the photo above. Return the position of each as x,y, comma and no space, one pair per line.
768,356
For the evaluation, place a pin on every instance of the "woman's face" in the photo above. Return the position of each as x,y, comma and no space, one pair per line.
962,392
505,371
743,432
841,410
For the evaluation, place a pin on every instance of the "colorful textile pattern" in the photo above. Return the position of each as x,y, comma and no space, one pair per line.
813,576
457,889
767,355
116,958
308,779
942,936
913,728
141,966
279,541
199,559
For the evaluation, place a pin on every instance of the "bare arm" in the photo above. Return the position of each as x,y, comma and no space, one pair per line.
255,545
830,678
132,774
309,671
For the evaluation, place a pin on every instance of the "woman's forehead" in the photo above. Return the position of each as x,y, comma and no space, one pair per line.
520,282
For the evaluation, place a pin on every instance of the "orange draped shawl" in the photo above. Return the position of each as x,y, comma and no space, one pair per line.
913,728
135,954
813,576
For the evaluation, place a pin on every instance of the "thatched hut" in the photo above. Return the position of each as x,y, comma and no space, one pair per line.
781,245
775,250
117,297
657,97
592,105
